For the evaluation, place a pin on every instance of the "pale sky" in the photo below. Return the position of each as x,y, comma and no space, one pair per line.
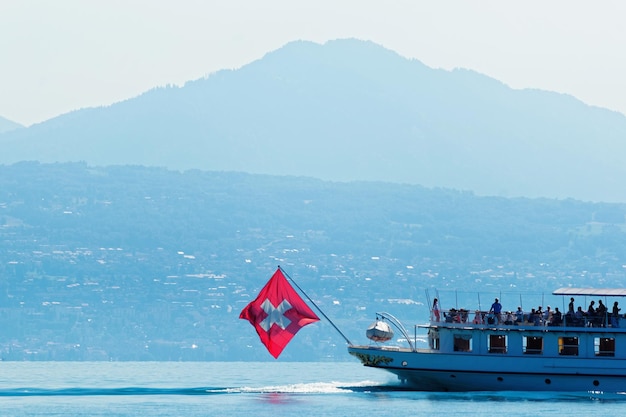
62,55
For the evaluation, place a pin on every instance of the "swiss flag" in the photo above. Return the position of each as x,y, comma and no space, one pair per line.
278,313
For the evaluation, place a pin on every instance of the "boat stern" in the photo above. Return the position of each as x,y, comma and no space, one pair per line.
376,357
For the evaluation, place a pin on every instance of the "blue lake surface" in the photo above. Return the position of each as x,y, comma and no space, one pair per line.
191,389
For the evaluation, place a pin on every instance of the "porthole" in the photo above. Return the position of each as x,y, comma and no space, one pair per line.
500,379
404,363
596,382
548,382
452,376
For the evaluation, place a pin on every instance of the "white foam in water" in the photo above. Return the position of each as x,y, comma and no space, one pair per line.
304,388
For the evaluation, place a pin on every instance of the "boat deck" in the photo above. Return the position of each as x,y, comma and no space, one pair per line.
486,320
525,327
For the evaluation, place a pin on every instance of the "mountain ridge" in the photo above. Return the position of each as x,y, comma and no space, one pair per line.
351,110
7,125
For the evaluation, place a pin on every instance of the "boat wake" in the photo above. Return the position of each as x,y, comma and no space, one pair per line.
78,392
321,388
303,388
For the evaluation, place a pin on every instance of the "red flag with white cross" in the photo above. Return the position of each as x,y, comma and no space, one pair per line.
278,313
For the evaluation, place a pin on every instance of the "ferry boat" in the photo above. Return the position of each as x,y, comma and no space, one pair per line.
485,351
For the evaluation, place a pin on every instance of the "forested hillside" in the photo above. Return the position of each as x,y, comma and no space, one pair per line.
129,262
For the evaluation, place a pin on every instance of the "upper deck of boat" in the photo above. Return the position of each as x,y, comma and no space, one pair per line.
587,325
538,320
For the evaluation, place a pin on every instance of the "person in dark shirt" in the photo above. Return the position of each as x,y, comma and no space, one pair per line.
591,313
601,314
557,318
615,315
570,316
579,317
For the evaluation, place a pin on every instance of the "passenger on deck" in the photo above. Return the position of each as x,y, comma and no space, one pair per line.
478,317
557,318
436,310
508,320
453,316
463,315
601,314
569,318
547,316
496,309
570,309
579,317
519,315
591,313
538,319
615,315
457,316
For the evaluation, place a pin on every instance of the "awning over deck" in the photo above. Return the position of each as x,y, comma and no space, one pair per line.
595,292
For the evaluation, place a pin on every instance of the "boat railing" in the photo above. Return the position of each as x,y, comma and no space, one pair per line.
485,318
601,317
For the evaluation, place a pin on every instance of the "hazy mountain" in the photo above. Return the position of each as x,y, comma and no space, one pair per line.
7,125
351,110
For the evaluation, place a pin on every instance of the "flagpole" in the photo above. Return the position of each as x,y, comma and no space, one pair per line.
316,306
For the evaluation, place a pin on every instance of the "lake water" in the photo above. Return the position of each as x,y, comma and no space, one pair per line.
130,389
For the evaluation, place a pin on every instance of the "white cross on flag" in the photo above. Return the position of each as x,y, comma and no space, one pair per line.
278,313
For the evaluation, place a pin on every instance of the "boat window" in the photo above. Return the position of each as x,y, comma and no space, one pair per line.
533,345
497,343
568,346
604,346
462,343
